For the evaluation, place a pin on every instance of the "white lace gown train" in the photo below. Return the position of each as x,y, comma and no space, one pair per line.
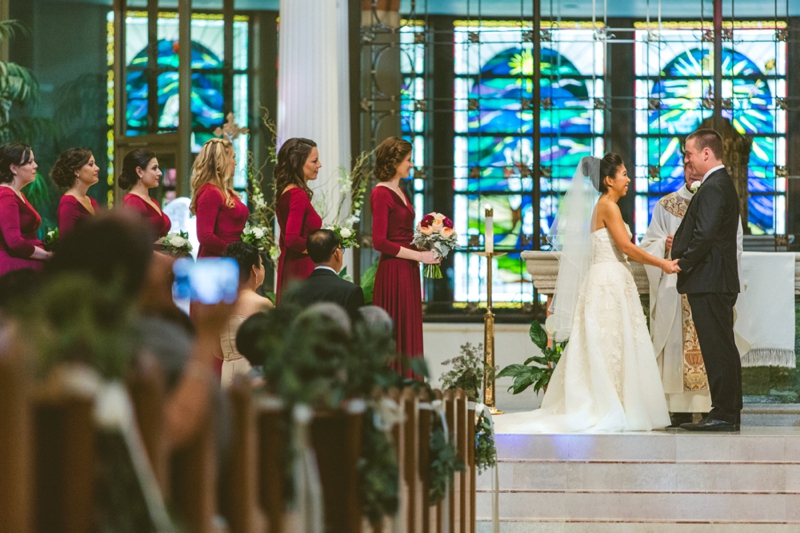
607,378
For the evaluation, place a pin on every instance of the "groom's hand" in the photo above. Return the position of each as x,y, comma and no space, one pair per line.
668,245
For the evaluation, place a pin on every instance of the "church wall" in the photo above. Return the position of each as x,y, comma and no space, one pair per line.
512,345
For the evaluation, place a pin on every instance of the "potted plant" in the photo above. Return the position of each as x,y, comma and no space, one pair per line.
536,370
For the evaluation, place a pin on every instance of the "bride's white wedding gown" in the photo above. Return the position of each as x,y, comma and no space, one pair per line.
607,378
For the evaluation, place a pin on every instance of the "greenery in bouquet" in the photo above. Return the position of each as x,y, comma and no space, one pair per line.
536,370
257,236
176,243
435,232
50,239
347,236
468,372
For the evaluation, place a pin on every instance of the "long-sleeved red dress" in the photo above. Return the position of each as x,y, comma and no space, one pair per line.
397,283
19,222
158,219
71,211
297,220
218,224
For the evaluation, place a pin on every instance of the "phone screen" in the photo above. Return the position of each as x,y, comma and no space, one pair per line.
208,280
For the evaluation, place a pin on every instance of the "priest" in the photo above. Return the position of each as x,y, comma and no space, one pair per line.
672,331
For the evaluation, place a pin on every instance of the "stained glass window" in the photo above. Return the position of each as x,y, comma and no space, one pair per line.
494,140
413,104
208,78
674,94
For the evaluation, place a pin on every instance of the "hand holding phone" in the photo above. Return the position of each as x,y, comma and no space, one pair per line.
208,280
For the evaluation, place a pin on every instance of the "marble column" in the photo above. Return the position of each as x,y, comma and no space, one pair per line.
314,93
313,88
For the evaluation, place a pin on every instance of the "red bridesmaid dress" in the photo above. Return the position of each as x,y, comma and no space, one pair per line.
158,219
218,224
71,211
297,220
397,283
19,223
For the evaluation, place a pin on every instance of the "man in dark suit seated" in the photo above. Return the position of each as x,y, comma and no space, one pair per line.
324,284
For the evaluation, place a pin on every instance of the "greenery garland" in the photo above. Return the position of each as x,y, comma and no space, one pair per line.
468,372
378,472
444,462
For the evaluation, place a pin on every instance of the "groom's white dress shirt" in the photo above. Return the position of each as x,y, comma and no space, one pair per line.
711,172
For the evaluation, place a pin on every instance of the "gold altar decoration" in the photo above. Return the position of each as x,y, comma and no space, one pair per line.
488,318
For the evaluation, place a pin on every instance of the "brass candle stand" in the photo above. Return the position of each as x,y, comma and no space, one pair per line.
488,337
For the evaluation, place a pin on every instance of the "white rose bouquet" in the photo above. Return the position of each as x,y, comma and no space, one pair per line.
258,237
50,239
435,232
346,234
175,244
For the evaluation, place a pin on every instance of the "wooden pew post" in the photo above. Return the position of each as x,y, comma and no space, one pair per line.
64,443
452,424
15,438
471,470
194,479
460,436
241,493
410,458
147,391
425,416
272,444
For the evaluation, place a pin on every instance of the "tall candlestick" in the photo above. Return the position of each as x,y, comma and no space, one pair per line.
489,227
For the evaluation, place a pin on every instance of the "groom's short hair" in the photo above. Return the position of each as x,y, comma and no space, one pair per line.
708,138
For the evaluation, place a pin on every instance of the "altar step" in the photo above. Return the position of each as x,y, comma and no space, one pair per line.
660,482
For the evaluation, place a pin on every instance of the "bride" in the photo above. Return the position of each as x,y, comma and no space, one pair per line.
607,378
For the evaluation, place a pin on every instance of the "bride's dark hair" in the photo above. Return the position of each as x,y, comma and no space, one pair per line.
608,168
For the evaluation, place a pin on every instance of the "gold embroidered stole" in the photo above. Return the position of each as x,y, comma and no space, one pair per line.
694,369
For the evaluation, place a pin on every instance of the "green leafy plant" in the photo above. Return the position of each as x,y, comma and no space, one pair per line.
444,462
536,370
485,450
378,472
368,282
468,372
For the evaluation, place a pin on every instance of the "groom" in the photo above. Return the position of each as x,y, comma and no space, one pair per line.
705,245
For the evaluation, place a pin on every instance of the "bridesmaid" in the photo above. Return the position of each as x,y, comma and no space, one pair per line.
76,171
221,215
19,245
397,284
140,173
298,163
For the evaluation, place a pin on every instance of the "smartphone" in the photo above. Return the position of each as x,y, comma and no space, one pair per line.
209,280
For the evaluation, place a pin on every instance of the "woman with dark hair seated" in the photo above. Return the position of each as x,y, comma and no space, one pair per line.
20,246
76,171
251,276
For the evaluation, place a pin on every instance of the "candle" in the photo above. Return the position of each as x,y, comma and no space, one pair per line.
489,228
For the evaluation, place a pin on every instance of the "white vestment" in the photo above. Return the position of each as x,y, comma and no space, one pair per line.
666,314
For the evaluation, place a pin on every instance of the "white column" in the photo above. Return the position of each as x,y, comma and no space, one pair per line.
313,87
314,91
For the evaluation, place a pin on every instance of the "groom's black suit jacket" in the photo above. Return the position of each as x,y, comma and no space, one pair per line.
325,286
705,242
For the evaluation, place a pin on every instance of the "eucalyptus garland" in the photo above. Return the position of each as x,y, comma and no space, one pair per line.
378,472
485,451
444,464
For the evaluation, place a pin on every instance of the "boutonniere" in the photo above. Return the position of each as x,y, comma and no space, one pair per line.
694,187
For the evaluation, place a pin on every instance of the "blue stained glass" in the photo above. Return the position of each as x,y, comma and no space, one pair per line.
207,99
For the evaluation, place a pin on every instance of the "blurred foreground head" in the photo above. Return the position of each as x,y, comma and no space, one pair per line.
112,247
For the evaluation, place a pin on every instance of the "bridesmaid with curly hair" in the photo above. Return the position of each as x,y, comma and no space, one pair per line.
19,245
221,215
76,171
298,163
140,173
397,283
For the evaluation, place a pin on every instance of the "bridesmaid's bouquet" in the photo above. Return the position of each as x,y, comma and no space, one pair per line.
347,236
257,236
435,232
50,240
175,244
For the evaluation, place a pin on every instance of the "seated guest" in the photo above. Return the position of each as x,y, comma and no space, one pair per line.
324,284
251,276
